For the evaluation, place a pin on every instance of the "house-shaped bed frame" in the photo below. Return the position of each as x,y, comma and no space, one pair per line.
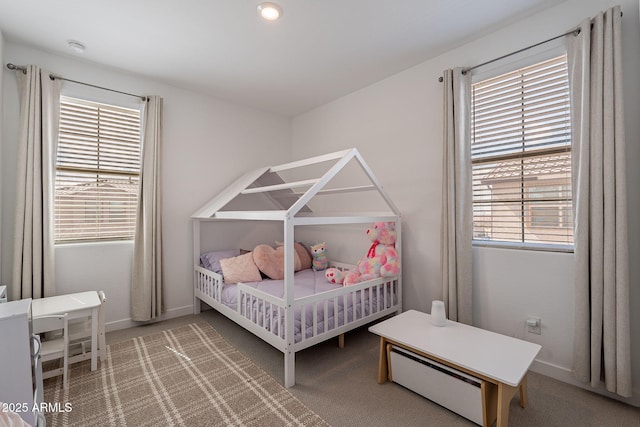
273,318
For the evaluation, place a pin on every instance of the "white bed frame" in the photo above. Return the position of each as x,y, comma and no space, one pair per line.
208,285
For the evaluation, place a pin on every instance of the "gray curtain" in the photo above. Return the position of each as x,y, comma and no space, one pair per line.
33,241
147,286
457,211
602,330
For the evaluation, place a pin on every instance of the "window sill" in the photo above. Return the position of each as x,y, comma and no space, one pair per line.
94,243
545,247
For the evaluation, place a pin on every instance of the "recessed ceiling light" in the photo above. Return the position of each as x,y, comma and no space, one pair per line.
269,11
76,46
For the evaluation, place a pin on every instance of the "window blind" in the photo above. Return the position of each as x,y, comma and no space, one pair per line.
521,156
97,171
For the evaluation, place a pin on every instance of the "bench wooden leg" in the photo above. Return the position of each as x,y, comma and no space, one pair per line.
383,372
341,340
523,391
489,403
505,394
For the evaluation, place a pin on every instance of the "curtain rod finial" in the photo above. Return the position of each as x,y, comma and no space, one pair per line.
15,67
440,79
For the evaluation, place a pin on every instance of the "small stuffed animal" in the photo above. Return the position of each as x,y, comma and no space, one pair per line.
381,260
319,253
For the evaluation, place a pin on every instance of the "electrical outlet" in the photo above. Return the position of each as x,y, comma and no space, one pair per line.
534,325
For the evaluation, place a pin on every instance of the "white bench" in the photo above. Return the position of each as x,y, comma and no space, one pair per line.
499,363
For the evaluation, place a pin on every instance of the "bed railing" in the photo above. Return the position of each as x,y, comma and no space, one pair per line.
336,311
320,316
268,311
262,309
208,283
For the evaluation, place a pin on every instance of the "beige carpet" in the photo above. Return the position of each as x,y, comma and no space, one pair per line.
187,376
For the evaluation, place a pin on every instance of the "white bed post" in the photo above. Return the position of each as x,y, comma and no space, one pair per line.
399,251
289,318
196,258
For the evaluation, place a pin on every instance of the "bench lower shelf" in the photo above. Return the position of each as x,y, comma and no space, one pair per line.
444,385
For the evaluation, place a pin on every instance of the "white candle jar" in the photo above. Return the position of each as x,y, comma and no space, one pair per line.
438,315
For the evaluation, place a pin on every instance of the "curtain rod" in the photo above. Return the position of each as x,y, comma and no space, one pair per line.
574,32
466,70
53,77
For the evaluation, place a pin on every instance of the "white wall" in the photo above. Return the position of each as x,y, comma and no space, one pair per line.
208,143
396,124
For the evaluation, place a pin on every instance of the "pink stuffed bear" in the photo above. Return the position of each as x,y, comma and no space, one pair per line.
381,260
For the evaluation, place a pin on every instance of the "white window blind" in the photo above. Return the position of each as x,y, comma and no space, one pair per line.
97,171
521,156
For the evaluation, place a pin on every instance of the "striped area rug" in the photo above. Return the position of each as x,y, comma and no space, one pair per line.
187,376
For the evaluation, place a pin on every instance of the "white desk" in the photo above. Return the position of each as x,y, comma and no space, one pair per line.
79,305
500,360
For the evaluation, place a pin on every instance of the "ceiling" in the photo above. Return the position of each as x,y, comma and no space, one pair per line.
318,51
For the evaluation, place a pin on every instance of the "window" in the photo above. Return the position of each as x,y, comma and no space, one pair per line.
97,171
521,156
544,211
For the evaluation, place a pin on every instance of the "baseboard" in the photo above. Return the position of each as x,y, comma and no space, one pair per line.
128,323
563,374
